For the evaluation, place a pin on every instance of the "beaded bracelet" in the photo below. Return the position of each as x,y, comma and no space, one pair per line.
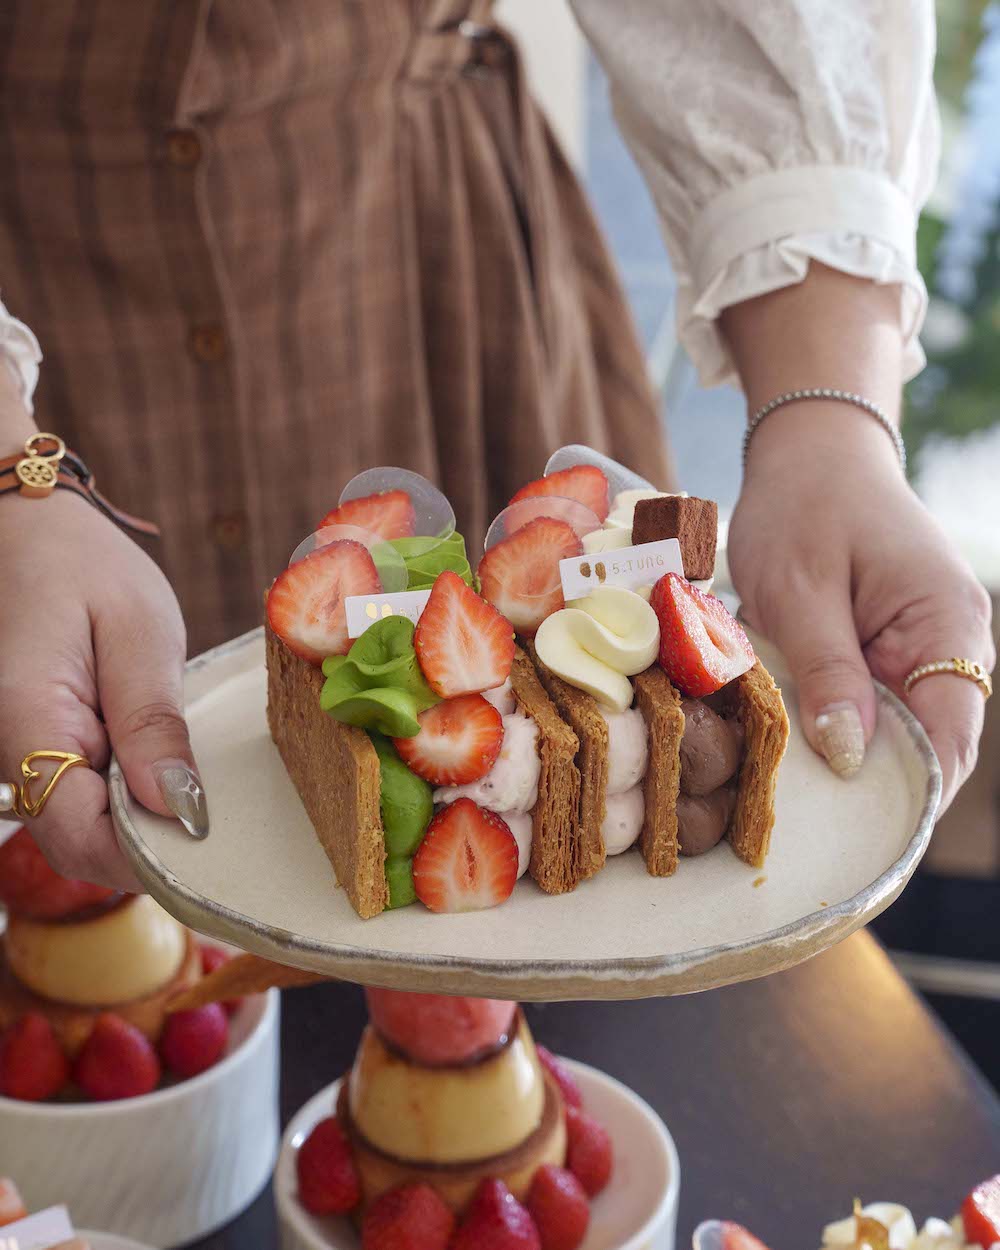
843,397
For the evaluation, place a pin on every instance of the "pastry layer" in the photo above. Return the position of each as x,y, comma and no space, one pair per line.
449,1114
555,860
335,769
72,1024
127,952
660,706
581,713
757,701
456,1183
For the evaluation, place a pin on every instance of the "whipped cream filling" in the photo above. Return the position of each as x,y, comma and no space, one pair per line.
628,749
520,825
511,785
903,1235
623,817
502,698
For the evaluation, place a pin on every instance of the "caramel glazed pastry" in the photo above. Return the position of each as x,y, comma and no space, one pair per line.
127,956
497,1115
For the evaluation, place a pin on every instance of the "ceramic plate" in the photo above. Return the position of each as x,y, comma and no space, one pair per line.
841,852
106,1241
637,1211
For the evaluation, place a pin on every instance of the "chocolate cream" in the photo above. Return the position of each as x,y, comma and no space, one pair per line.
711,752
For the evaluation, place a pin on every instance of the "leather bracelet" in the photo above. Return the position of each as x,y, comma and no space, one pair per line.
46,464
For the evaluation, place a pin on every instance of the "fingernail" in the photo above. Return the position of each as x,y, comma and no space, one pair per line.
182,792
841,738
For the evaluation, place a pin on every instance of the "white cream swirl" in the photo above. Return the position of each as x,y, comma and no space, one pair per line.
598,642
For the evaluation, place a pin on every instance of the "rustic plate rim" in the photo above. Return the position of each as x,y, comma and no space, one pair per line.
637,976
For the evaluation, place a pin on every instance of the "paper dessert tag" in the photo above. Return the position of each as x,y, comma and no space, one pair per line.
364,610
44,1228
630,567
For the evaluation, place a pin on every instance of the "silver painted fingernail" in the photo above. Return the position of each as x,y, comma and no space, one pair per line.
182,792
841,738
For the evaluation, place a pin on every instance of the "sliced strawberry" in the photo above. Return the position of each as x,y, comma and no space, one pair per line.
467,860
584,482
520,575
981,1214
463,644
389,514
702,647
305,606
458,742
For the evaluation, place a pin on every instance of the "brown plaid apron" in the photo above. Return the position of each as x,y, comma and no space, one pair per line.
268,243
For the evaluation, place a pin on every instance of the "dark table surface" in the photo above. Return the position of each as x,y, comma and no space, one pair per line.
786,1097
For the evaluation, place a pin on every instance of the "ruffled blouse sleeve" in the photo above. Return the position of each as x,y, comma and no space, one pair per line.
772,133
20,353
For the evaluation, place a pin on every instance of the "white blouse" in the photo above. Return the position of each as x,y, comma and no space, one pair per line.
770,132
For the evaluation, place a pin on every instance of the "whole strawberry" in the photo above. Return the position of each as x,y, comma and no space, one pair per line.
560,1208
588,1155
32,1064
328,1179
562,1076
211,959
31,888
413,1217
496,1220
117,1061
193,1041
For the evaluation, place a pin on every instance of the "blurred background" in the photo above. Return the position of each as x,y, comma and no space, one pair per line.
944,933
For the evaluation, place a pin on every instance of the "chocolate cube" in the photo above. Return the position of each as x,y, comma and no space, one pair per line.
694,522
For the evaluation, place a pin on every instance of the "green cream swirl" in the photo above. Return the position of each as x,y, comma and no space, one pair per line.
378,685
426,558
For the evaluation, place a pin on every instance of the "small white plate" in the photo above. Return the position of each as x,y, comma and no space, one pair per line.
841,852
637,1211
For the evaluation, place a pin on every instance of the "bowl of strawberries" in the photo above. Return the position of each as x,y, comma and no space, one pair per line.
154,1124
618,1187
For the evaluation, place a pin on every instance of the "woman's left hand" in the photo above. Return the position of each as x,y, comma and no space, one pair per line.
837,560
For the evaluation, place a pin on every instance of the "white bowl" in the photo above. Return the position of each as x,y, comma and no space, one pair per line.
637,1211
165,1168
108,1241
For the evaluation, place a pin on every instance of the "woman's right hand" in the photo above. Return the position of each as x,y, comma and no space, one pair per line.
92,650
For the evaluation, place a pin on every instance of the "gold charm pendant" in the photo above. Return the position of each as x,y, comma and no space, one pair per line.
38,472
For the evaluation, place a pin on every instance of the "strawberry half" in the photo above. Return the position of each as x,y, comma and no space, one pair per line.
981,1214
305,606
520,575
389,514
458,742
584,482
467,860
463,644
702,646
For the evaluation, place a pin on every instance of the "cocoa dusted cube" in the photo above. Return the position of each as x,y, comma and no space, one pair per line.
694,522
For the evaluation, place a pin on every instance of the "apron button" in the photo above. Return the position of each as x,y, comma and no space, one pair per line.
208,342
229,530
183,148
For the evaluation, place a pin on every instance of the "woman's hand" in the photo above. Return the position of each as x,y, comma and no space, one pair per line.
91,659
838,562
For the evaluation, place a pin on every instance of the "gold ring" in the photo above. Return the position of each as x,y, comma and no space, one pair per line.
961,668
17,799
